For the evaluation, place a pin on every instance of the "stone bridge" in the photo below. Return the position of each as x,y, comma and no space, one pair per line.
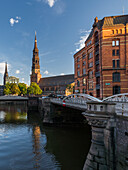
76,101
79,101
108,119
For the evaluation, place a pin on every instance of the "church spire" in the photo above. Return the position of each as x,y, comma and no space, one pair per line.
35,76
6,73
35,45
6,70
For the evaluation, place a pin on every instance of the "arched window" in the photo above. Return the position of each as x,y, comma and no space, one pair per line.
120,31
116,31
116,90
112,31
116,77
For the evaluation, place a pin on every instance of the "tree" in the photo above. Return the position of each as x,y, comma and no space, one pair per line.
14,88
34,89
69,87
23,88
7,89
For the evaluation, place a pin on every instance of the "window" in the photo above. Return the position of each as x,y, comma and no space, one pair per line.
78,66
117,52
89,43
113,63
84,63
113,52
116,31
116,90
116,77
113,43
78,83
84,71
84,81
97,67
90,84
112,31
90,64
90,74
78,59
120,31
118,63
78,73
83,56
90,55
117,42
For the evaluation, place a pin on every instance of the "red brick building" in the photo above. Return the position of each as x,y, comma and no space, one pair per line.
101,67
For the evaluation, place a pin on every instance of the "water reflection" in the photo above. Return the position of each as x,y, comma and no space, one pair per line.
19,114
36,146
26,144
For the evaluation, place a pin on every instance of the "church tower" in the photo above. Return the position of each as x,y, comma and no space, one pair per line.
5,74
35,76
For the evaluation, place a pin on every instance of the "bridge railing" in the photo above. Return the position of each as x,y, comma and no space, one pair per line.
121,101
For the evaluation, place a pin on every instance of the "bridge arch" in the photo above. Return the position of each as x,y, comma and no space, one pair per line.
81,98
122,97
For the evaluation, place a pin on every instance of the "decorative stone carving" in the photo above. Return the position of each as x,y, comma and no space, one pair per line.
96,122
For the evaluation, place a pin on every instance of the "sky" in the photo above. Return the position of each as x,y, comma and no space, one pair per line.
62,27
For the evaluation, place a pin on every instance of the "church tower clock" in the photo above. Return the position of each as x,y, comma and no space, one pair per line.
35,76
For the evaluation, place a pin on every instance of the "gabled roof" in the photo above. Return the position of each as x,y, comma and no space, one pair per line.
110,21
56,80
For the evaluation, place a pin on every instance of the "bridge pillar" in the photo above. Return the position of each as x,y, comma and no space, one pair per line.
101,117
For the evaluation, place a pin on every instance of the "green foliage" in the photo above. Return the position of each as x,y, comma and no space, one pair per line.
23,88
11,88
7,88
15,89
34,89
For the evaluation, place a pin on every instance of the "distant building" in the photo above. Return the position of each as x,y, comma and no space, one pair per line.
55,84
1,90
9,79
101,67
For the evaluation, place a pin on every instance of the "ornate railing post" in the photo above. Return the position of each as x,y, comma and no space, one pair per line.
100,116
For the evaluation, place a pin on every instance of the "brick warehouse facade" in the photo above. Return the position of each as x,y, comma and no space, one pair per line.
101,67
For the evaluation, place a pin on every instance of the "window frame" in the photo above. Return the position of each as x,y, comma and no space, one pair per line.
113,63
116,77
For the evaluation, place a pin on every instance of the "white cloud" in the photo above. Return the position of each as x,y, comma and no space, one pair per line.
60,7
2,68
13,21
17,71
22,80
46,72
79,45
51,2
62,74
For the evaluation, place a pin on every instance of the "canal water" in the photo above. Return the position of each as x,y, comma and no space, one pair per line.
25,144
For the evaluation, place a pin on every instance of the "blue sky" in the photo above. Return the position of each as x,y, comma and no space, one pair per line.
61,25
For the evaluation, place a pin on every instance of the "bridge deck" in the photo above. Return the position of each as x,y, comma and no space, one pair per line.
13,98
